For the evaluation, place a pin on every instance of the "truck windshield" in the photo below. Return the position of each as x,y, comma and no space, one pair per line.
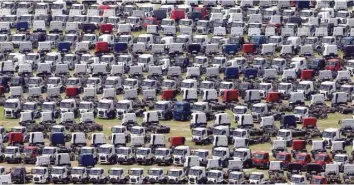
179,152
53,81
148,83
77,171
200,60
327,40
218,153
92,81
38,171
346,89
194,172
87,38
167,22
95,172
173,173
122,106
239,154
310,41
130,82
50,58
28,106
300,111
136,131
52,38
95,19
300,157
239,110
68,58
257,109
197,133
161,152
303,86
56,129
10,151
134,172
143,39
237,134
102,105
178,107
327,134
115,172
202,23
33,81
155,172
86,151
282,134
187,84
46,106
122,151
283,87
124,59
65,104
207,85
149,21
225,86
264,86
258,156
235,176
274,40
141,152
84,106
110,82
339,158
296,180
17,38
161,106
123,39
4,38
320,157
184,23
57,171
197,107
213,175
255,176
47,151
280,157
70,37
10,105
104,150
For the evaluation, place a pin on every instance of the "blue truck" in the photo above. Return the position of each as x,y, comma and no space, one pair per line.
182,111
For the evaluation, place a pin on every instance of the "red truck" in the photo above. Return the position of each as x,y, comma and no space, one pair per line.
284,157
303,159
334,64
323,159
260,160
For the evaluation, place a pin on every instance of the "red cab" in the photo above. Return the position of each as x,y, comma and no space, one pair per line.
284,157
230,96
177,141
299,145
150,21
260,159
168,95
273,97
303,159
177,14
72,91
307,74
102,47
309,122
31,153
15,138
106,28
203,11
316,179
248,48
333,64
322,159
